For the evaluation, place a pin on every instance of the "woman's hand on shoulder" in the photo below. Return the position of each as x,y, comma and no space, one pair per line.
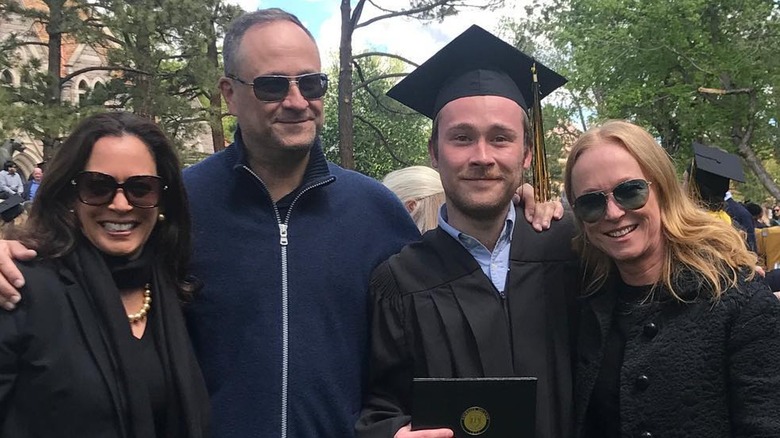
541,215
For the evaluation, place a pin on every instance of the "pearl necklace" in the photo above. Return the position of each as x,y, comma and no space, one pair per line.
141,315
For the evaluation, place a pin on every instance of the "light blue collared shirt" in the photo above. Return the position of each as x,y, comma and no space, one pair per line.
495,265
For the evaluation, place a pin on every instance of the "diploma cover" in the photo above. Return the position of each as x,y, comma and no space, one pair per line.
503,407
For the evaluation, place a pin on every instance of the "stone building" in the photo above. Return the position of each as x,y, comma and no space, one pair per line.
75,56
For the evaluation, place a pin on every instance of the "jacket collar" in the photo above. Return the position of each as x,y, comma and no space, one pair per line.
317,169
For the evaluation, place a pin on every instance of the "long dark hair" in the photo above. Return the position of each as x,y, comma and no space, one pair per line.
52,228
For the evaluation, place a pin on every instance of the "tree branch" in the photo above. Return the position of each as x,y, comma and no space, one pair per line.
722,92
579,111
403,13
379,7
88,69
378,78
356,13
382,138
359,71
687,58
388,55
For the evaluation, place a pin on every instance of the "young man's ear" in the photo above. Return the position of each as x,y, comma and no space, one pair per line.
433,152
529,156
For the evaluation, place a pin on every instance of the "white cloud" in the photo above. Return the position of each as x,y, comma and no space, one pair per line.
410,38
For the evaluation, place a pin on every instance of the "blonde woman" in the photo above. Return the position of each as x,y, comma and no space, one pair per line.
678,337
420,189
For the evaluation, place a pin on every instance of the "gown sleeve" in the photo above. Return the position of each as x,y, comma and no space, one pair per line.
386,404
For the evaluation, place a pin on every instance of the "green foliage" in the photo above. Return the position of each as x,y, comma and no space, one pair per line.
387,135
559,109
157,53
646,61
439,10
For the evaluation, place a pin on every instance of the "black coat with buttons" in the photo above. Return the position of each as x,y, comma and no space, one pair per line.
700,369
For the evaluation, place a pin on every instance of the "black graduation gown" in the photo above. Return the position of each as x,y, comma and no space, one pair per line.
436,314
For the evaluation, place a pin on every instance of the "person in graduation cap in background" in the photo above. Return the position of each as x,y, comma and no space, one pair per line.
482,295
712,170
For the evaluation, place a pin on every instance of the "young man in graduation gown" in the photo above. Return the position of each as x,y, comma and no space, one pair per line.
482,295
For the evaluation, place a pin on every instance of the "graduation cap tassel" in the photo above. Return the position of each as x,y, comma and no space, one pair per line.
693,187
541,176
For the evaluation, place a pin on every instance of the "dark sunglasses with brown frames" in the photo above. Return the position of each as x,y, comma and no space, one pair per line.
96,189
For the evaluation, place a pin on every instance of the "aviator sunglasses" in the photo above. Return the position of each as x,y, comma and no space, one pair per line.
631,195
96,189
274,88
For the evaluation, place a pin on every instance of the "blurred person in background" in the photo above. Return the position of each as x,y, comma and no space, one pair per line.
711,173
10,181
775,219
420,190
31,186
757,212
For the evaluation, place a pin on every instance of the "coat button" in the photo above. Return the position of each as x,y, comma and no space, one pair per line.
650,330
645,434
642,382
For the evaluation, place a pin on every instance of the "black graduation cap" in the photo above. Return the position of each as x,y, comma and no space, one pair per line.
11,208
712,170
476,63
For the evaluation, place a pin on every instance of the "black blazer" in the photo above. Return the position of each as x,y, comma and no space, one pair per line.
700,369
56,373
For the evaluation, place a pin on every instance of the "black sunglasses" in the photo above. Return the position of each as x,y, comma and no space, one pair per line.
631,195
274,88
96,189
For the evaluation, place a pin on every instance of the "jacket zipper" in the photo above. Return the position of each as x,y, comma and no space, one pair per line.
283,241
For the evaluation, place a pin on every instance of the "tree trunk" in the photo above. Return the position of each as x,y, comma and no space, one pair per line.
758,169
346,121
215,98
742,138
144,94
54,30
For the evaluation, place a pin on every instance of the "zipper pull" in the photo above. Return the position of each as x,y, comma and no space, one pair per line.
283,234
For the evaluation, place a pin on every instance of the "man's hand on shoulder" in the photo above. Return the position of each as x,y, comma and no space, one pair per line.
11,279
406,432
540,216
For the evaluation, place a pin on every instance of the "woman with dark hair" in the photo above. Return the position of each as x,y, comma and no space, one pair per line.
678,337
99,346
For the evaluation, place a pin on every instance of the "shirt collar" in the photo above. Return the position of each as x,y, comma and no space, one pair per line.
506,233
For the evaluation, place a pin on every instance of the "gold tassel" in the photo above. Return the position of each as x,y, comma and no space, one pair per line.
541,175
693,187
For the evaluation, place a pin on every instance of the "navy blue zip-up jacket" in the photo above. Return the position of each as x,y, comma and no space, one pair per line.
281,326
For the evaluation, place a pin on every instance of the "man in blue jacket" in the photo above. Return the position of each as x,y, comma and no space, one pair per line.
284,245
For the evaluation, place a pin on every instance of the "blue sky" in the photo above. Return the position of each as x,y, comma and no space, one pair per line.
310,12
413,39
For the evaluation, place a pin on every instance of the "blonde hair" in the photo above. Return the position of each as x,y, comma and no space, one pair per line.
418,187
695,240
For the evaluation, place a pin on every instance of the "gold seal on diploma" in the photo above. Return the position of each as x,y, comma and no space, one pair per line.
475,421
